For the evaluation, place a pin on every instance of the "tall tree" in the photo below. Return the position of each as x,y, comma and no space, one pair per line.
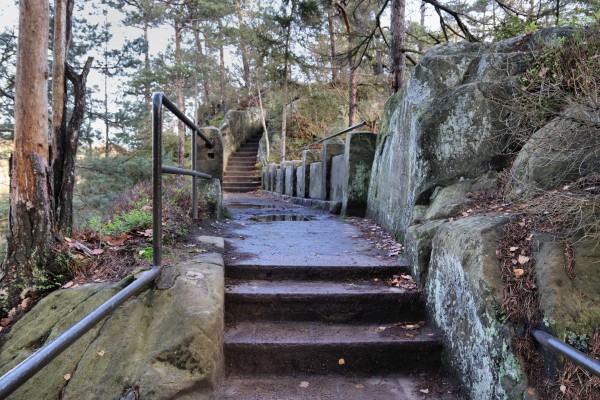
352,86
31,216
397,51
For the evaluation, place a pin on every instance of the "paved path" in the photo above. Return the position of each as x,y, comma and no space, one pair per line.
309,315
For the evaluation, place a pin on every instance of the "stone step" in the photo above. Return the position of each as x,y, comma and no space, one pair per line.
256,348
240,163
241,168
244,157
324,301
312,272
336,387
246,182
240,174
240,189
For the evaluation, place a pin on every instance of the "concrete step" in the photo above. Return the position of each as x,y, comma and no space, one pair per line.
312,272
323,301
256,348
338,387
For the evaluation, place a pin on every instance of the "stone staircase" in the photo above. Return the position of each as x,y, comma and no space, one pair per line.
323,324
241,174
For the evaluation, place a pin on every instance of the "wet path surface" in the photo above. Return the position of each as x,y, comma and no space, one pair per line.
309,314
268,231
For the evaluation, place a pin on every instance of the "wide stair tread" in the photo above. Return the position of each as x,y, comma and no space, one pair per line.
321,301
306,386
269,347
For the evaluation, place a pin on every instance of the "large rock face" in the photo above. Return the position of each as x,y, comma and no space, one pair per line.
464,291
563,150
444,126
167,341
443,138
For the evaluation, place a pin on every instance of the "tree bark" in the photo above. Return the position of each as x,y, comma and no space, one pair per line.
179,90
332,51
223,71
69,144
31,236
397,56
243,48
58,73
352,86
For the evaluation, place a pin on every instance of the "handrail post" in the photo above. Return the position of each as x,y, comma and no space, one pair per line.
157,102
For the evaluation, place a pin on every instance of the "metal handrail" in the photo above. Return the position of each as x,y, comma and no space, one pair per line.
351,128
569,352
14,378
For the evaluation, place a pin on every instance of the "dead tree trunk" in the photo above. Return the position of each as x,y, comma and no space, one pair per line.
31,236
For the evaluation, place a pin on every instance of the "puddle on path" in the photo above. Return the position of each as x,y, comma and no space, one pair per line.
250,205
271,218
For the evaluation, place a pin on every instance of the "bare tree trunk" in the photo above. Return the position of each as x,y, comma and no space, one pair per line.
31,218
179,89
420,46
69,145
332,51
285,91
204,77
352,68
58,72
243,48
223,71
262,117
147,94
398,58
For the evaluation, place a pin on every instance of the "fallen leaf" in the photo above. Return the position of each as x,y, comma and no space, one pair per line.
426,391
341,361
518,271
25,303
116,241
563,388
514,248
304,384
101,353
67,376
97,252
4,321
523,259
360,386
67,285
69,240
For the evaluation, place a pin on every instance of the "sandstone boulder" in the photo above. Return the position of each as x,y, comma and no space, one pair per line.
167,341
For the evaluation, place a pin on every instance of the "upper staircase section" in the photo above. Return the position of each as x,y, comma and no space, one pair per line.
241,174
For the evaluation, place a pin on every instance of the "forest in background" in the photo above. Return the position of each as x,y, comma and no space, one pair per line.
318,64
